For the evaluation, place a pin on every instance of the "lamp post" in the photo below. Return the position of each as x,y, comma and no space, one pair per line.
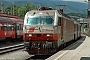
83,25
2,7
12,8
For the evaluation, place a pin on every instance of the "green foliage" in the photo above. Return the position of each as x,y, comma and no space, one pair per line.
25,8
19,11
12,10
85,25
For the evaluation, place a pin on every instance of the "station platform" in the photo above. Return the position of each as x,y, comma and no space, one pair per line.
79,50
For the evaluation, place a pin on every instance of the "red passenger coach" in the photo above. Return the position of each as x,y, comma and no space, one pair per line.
11,26
6,28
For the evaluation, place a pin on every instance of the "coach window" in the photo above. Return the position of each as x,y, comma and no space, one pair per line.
17,26
59,21
13,26
21,27
5,27
8,27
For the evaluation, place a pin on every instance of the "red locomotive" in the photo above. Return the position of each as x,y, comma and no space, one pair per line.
10,26
46,31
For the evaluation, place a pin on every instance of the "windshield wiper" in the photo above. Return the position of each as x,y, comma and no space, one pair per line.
50,16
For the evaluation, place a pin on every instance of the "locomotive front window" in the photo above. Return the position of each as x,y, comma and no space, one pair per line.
40,20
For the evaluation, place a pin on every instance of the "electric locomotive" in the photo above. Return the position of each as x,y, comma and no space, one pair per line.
45,30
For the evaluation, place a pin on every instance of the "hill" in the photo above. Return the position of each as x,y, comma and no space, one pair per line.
51,3
70,6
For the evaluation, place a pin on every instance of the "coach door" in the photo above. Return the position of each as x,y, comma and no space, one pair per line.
5,29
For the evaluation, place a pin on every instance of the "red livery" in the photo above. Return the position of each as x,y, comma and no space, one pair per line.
10,27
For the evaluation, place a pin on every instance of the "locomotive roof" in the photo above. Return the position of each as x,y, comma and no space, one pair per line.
47,12
6,20
17,20
40,12
9,16
20,21
10,20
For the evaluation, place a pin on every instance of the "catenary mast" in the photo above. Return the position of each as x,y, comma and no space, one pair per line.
2,6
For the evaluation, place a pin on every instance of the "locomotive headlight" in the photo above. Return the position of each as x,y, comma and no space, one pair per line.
30,34
49,34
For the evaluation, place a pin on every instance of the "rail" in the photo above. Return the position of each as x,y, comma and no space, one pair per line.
11,48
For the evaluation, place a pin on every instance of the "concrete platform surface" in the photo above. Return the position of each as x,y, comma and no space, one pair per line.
80,50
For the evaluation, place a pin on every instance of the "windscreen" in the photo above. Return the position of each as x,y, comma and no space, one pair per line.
40,20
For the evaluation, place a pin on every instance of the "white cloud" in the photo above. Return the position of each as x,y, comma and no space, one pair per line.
76,0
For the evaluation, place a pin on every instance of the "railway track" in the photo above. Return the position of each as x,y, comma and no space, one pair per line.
11,48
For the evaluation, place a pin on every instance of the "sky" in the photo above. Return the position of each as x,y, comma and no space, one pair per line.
77,0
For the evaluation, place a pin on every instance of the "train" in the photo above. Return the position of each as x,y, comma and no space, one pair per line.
46,30
11,27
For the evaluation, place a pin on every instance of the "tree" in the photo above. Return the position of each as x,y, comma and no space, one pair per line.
12,10
19,11
25,8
